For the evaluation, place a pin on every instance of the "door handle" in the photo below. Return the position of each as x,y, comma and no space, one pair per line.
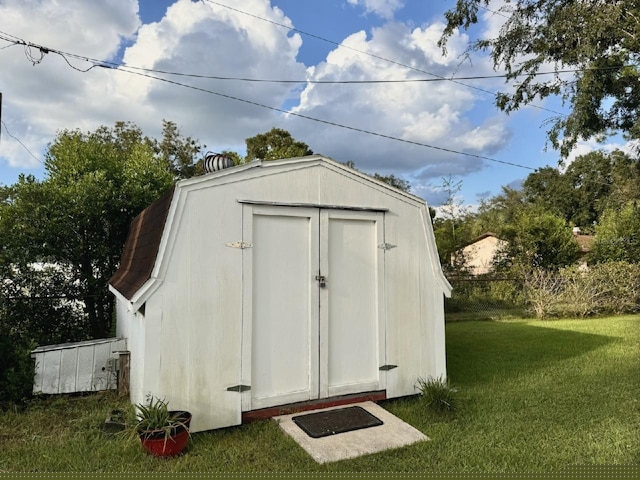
322,280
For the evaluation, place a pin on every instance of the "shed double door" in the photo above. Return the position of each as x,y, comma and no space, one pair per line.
313,323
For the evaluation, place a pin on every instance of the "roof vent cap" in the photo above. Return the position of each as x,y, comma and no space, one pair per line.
216,161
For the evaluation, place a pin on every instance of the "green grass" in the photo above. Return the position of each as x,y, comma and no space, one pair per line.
532,396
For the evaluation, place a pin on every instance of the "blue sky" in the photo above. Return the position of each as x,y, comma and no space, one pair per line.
380,40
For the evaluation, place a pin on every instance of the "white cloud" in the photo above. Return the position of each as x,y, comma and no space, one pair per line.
434,113
383,8
193,37
584,147
206,39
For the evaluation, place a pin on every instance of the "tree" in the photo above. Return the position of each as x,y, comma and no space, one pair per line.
275,144
552,190
599,40
394,181
450,228
591,184
618,235
78,217
177,151
498,211
537,239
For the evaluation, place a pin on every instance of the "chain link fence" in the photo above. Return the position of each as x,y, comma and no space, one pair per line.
485,298
610,288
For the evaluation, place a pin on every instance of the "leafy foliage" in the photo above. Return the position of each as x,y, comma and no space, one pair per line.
77,219
600,39
394,181
16,374
154,418
275,144
618,235
606,288
591,184
537,239
177,151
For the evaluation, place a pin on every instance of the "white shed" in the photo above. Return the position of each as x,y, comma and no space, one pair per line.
278,282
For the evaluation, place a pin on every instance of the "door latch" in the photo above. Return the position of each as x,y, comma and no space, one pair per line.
322,279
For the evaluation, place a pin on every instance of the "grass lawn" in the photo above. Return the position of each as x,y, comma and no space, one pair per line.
534,397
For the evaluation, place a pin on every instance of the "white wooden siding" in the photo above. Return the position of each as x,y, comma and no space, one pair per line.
196,335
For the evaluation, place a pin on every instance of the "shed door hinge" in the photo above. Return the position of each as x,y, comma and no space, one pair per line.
239,388
386,246
385,368
241,245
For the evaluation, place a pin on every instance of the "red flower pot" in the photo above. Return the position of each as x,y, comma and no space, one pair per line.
158,444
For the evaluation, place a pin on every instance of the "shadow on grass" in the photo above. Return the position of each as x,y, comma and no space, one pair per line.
481,351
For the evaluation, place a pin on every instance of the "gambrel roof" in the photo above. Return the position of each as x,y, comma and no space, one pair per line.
141,248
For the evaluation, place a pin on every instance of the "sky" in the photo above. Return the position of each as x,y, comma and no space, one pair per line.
420,131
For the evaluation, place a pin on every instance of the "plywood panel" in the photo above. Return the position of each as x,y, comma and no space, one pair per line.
282,312
353,304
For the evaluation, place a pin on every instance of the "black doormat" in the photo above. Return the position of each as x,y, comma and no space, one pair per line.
332,422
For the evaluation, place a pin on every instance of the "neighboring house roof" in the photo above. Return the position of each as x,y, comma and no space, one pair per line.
141,248
482,237
480,254
585,242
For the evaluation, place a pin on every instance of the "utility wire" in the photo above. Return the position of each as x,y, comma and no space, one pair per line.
368,53
107,64
45,50
326,122
20,142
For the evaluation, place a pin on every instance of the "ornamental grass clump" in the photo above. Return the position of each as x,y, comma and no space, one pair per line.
438,395
155,418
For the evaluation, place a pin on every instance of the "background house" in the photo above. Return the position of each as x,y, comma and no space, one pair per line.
480,254
280,282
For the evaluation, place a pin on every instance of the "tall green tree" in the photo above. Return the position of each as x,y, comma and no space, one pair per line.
275,144
77,218
618,235
498,211
591,183
549,188
179,152
537,239
599,39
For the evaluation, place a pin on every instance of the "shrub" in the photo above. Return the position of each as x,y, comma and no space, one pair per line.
542,290
18,368
605,288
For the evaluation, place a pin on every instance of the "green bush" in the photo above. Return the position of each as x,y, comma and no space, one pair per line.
18,368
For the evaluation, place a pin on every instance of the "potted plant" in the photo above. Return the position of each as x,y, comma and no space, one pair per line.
162,432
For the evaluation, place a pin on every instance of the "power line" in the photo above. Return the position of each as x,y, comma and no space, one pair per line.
20,142
107,64
368,53
327,122
327,82
125,69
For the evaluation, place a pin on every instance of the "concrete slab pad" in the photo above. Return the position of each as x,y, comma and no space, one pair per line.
393,433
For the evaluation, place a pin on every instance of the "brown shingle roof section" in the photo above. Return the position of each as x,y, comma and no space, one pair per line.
585,242
141,248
